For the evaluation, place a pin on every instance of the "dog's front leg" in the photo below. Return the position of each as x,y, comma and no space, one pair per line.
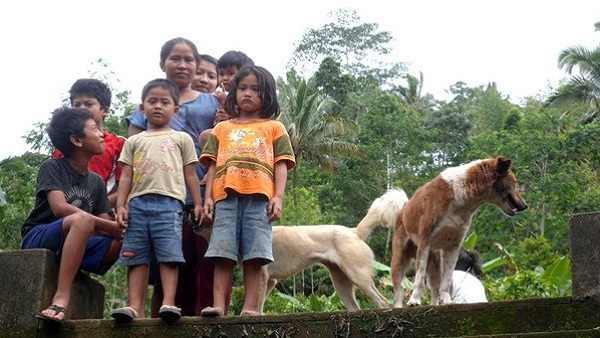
449,258
421,264
434,275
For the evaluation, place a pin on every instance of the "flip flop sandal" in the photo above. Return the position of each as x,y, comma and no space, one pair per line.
169,313
124,314
249,313
212,312
57,310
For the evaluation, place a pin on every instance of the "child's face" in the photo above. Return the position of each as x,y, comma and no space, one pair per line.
205,80
93,105
180,66
247,95
159,108
93,141
226,76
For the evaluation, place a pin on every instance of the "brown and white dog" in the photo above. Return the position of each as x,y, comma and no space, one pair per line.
432,225
342,250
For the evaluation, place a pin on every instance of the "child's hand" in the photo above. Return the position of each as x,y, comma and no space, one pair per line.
122,217
198,214
220,94
209,209
116,231
275,209
221,115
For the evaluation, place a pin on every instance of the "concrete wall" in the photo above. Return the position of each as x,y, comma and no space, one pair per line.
585,254
28,284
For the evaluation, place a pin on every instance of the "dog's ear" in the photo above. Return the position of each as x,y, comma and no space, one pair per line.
503,165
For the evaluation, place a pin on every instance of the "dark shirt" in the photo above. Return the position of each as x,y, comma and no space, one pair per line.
85,191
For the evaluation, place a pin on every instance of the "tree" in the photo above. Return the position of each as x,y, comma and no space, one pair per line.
346,41
315,131
583,86
17,179
37,138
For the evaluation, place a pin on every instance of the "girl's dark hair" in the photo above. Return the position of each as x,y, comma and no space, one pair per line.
168,47
91,87
469,260
162,83
64,123
267,90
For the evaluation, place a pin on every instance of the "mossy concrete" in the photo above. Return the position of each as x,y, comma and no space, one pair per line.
553,317
585,254
29,279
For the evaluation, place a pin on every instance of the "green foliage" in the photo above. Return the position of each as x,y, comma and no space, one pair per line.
281,303
301,208
538,283
115,283
17,179
534,252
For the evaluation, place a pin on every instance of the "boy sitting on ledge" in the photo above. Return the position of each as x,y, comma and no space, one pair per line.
71,213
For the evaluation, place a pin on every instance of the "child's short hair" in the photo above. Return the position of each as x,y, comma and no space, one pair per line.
267,90
93,88
234,58
162,83
64,123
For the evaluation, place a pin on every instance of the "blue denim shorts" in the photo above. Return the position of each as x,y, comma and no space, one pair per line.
50,236
154,229
241,229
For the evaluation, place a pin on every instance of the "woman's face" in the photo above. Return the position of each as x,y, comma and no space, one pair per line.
205,80
180,66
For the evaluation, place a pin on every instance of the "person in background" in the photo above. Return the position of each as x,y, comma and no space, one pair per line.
248,158
96,96
158,164
206,79
179,59
466,283
71,215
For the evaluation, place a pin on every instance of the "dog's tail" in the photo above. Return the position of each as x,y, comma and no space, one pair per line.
384,211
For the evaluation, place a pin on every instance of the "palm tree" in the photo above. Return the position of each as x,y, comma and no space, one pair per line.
317,134
584,85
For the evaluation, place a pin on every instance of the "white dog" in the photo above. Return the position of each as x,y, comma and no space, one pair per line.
340,249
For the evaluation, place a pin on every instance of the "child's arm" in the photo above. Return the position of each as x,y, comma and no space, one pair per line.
276,203
122,195
193,184
112,196
209,204
58,204
102,223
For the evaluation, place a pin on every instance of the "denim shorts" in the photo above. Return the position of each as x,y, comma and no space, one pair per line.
241,229
154,229
50,236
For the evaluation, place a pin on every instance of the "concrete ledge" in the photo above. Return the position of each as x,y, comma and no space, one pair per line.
552,317
29,283
585,254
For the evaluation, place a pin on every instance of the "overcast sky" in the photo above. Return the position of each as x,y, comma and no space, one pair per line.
47,45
